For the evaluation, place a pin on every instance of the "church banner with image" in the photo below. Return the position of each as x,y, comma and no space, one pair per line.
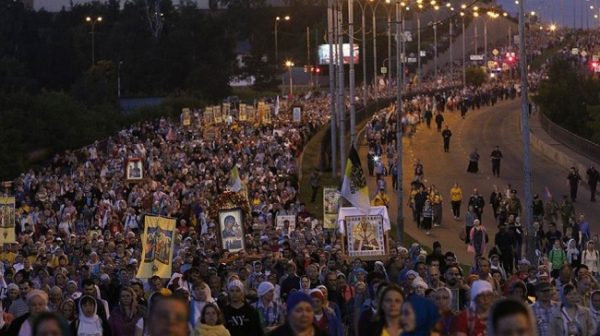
365,236
331,201
7,220
157,247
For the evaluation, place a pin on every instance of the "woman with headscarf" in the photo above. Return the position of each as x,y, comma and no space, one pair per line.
571,318
443,302
270,311
200,296
472,320
418,316
304,285
325,318
595,308
126,314
37,301
88,322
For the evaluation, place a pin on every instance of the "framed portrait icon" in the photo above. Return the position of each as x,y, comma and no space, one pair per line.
134,170
231,230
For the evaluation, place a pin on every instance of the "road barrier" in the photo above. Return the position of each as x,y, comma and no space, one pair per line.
578,144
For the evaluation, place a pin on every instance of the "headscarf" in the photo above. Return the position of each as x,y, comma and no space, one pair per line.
426,316
479,287
295,298
63,303
595,312
307,289
89,325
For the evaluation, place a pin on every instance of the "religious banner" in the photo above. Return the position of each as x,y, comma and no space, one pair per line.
208,115
261,109
186,117
218,116
243,116
157,247
287,223
331,201
7,220
231,230
134,170
226,110
250,113
365,236
268,115
296,114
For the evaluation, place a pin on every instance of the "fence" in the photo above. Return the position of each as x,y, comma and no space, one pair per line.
578,144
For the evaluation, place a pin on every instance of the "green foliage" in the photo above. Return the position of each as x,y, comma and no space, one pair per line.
475,76
569,97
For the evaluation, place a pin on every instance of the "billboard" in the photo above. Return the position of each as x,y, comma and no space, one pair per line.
324,53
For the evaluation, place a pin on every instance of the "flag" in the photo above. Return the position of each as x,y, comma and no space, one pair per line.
354,186
157,247
234,179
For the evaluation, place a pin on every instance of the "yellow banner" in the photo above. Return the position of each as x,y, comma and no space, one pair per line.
157,247
7,220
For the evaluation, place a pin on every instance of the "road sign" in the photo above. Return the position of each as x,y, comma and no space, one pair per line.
423,53
575,51
383,70
583,53
476,57
495,52
412,60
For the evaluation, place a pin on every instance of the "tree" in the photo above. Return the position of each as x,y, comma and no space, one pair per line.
475,76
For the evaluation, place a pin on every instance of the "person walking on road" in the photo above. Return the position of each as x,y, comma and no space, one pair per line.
477,202
496,158
593,176
315,184
419,171
455,200
439,119
473,162
470,218
446,135
574,179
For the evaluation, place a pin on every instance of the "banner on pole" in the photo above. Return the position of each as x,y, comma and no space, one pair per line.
157,247
331,202
7,220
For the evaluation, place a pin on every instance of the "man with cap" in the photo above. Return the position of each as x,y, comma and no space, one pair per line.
472,320
240,317
544,307
269,310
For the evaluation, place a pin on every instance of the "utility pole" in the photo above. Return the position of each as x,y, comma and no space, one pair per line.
332,109
464,61
364,52
400,83
310,70
341,98
525,133
374,19
389,34
418,48
351,78
451,24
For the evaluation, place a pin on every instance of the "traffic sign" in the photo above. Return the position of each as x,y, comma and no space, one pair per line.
383,70
495,52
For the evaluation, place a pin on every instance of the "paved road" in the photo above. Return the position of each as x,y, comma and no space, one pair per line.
482,129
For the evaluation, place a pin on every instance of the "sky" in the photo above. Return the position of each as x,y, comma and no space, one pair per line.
560,11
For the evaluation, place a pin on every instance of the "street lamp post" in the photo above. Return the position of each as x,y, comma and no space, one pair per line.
119,79
464,61
374,5
389,35
525,134
277,19
332,89
364,51
435,46
93,21
399,153
351,75
290,65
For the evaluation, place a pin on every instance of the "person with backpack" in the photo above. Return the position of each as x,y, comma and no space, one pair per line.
558,257
590,257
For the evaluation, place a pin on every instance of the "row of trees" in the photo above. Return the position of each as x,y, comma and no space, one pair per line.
569,97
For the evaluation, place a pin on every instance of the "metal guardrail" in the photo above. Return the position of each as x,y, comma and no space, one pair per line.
578,144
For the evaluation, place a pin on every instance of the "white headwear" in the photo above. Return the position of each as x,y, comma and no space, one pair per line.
479,287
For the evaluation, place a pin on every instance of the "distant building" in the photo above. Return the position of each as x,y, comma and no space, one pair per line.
58,5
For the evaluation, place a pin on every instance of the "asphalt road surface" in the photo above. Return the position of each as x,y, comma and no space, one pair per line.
482,129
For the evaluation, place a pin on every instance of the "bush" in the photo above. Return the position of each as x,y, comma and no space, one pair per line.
475,76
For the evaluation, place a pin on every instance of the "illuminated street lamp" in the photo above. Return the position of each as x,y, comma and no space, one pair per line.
277,19
289,64
553,27
93,22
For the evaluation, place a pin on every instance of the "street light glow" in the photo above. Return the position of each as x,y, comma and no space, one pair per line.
532,13
289,64
552,27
